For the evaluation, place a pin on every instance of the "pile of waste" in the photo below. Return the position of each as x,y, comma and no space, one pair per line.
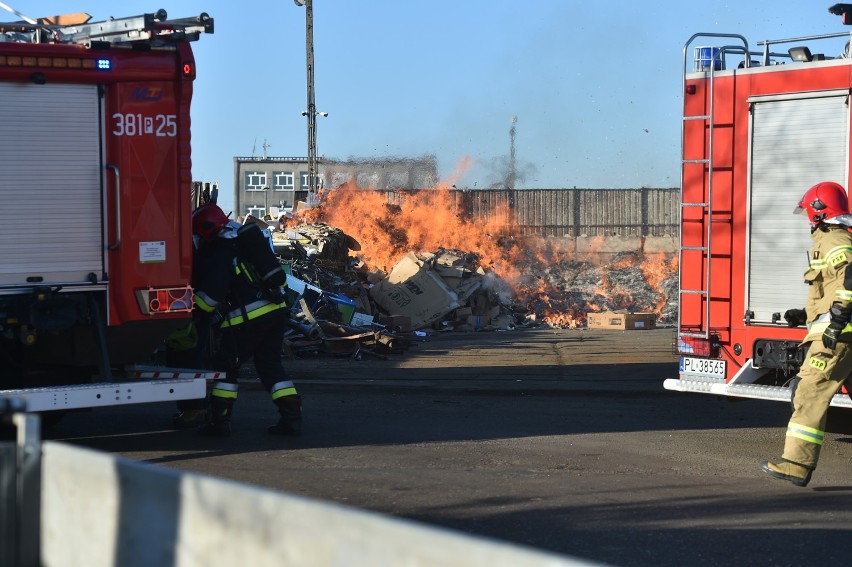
575,288
343,306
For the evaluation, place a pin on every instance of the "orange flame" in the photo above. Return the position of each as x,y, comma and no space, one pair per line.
424,220
431,219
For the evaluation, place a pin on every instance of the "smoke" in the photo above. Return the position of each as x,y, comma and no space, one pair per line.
499,287
500,172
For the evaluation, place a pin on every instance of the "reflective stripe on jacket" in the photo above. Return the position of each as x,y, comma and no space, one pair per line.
253,311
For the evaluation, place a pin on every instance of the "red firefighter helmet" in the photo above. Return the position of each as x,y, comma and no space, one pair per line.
824,201
208,220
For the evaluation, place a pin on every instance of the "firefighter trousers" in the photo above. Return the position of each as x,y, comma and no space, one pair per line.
823,373
262,340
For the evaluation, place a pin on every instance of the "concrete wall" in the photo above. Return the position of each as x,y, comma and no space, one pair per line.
609,245
103,511
575,213
601,249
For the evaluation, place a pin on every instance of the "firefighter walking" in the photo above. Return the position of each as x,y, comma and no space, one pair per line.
252,321
827,313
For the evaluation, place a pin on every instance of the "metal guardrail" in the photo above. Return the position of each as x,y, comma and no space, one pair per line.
20,487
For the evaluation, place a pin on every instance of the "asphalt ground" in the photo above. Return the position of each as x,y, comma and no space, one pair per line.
561,440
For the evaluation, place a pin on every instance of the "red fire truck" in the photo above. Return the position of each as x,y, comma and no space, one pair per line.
761,124
95,237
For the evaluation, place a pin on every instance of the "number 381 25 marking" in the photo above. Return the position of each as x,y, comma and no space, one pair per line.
163,125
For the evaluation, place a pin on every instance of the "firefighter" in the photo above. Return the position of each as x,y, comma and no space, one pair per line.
828,361
251,320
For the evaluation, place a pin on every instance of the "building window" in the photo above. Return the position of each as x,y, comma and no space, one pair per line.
255,180
303,181
258,212
282,181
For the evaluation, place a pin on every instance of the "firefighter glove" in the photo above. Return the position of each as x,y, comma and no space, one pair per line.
839,317
831,334
795,317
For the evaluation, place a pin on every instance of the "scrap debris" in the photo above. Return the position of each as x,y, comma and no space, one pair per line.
344,308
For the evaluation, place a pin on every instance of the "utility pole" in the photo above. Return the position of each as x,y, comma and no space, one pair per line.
311,111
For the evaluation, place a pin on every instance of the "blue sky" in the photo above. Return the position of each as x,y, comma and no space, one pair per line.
595,86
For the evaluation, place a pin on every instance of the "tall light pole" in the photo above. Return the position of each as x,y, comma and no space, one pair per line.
311,111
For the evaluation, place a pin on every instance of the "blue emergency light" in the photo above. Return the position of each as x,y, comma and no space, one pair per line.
104,64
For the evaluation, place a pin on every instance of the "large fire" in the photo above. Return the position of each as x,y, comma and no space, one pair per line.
557,285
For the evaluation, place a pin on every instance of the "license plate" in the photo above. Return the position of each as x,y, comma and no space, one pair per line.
704,367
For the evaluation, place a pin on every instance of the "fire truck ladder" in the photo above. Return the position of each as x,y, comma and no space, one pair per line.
704,329
152,29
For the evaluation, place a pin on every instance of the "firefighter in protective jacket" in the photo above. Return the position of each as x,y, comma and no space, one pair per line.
234,291
827,313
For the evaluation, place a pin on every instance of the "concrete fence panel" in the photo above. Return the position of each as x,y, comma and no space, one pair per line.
572,213
104,511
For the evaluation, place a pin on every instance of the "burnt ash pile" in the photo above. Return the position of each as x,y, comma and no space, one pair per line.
573,288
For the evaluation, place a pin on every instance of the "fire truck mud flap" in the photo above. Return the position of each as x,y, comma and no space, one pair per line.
753,391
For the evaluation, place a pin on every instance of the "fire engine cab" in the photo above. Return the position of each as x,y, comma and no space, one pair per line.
762,123
95,178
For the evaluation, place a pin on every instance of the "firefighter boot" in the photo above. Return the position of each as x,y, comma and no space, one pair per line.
187,419
290,422
798,474
190,414
219,424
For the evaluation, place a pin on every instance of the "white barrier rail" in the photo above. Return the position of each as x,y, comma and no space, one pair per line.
100,510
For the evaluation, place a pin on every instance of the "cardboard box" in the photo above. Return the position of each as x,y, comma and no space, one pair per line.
414,291
478,321
452,281
467,287
449,259
395,323
621,320
451,271
503,322
462,313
